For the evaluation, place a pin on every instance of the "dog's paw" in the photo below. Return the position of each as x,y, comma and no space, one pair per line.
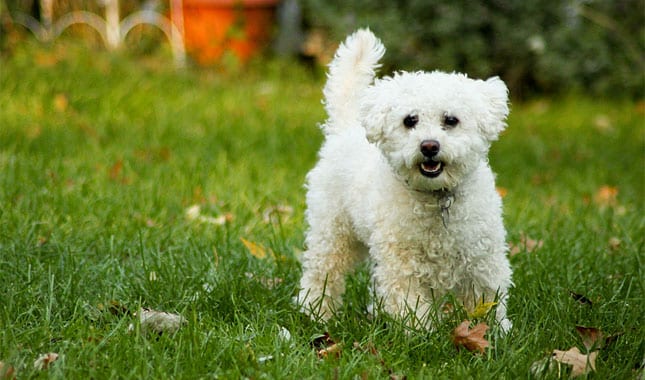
505,325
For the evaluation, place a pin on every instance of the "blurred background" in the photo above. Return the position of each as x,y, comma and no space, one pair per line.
537,47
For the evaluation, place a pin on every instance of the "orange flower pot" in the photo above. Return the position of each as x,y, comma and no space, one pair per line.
212,27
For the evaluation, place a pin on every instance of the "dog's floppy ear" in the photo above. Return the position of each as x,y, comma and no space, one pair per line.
495,95
373,115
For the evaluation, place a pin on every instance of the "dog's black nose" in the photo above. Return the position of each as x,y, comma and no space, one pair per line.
430,148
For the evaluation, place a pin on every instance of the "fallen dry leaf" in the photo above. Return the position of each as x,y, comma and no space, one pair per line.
581,363
115,170
481,310
332,351
525,244
472,339
254,249
502,191
606,196
45,360
193,213
7,372
60,102
591,336
159,321
325,346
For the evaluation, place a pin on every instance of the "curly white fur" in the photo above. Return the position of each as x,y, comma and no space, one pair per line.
427,233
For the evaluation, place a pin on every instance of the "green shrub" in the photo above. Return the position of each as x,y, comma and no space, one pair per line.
535,46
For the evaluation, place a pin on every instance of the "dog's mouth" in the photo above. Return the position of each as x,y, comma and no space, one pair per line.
431,168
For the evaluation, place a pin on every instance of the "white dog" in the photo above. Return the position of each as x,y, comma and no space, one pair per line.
403,178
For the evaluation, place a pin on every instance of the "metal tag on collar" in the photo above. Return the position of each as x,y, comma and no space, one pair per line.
444,204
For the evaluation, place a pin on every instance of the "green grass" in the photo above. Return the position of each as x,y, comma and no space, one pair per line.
101,155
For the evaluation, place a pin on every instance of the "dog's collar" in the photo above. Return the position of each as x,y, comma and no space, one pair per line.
443,201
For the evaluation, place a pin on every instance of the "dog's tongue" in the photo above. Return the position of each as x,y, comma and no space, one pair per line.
430,166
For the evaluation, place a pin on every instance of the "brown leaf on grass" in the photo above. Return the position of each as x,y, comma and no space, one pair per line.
115,170
606,196
502,191
325,346
7,372
255,249
525,244
115,173
596,338
591,336
472,339
581,363
333,351
60,102
45,360
580,298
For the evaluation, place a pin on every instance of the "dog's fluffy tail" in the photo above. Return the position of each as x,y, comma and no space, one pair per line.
351,71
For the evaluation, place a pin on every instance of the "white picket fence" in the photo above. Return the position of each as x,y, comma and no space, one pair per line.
111,28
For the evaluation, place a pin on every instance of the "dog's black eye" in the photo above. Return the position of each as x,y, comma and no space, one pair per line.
410,121
450,121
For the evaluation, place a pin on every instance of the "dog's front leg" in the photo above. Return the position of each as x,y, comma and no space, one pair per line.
399,289
325,265
485,287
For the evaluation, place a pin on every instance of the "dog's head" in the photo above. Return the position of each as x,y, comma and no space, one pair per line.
434,128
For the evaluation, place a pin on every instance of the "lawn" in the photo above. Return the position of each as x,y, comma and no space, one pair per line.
125,183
